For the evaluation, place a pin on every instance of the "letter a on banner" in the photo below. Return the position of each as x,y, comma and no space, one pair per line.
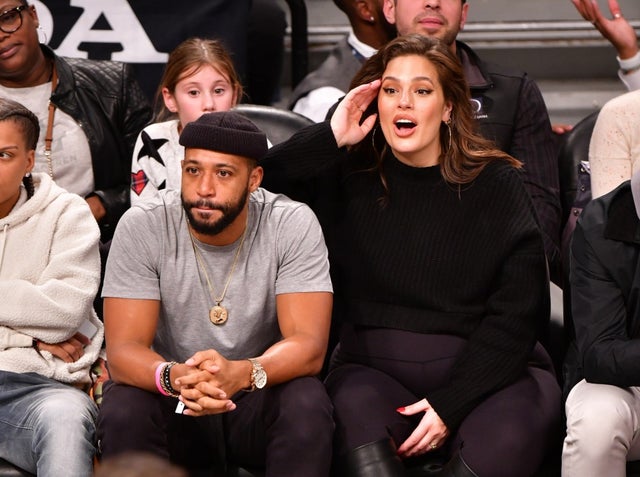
125,30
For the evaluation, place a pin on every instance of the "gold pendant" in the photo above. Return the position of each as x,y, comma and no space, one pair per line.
218,315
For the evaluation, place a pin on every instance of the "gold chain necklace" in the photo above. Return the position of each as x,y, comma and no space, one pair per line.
218,314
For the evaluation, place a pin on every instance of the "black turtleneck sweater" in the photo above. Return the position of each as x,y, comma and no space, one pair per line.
432,258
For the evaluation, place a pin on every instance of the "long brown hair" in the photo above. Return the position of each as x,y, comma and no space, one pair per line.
185,60
469,152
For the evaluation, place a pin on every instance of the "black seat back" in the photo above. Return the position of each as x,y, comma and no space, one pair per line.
573,150
277,124
575,193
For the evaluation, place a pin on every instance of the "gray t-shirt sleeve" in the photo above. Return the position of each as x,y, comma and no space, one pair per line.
304,264
132,266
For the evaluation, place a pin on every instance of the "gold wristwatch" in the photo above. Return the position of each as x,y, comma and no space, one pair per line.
258,375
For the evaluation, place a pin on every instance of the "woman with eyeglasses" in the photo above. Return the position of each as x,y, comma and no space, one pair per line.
90,113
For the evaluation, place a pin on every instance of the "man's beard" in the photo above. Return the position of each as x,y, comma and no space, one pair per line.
229,211
445,34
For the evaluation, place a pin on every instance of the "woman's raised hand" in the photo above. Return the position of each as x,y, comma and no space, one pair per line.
617,30
345,122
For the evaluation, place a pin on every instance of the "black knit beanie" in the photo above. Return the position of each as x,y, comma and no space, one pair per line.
225,131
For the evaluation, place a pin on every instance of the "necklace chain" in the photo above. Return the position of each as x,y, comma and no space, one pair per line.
203,267
48,138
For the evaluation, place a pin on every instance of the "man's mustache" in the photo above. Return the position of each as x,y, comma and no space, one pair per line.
205,204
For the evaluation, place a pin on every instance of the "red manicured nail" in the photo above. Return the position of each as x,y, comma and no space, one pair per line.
400,409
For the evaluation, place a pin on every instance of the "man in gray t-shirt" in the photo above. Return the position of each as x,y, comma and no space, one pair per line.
211,293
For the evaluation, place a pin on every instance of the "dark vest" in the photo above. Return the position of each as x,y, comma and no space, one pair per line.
495,93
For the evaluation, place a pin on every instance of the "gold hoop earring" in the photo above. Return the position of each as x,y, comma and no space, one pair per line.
373,138
448,124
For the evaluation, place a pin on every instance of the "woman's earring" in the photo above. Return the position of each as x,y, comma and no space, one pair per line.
373,138
27,175
42,35
448,123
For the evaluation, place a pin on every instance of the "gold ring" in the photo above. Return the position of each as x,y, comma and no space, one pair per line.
433,446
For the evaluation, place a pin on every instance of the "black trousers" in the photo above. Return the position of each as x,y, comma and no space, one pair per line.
286,429
379,370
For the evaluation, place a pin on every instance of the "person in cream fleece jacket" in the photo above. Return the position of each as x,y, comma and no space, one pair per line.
49,332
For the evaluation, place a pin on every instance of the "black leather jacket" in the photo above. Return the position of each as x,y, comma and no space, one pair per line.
605,293
108,104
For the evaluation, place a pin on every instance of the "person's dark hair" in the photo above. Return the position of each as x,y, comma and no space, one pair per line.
341,4
186,59
28,123
469,152
24,118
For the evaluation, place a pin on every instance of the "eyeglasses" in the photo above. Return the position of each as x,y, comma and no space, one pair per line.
11,20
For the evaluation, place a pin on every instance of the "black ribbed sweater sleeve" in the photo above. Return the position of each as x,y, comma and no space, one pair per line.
435,259
292,166
515,304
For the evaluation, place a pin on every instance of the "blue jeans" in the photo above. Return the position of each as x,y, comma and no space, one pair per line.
46,427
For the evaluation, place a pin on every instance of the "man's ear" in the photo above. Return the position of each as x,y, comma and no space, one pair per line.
463,15
255,178
389,9
364,11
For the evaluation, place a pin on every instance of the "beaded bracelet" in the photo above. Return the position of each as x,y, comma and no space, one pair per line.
165,382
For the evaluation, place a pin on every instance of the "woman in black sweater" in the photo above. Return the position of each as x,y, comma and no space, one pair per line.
439,273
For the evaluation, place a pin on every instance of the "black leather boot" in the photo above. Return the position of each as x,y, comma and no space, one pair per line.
375,459
457,467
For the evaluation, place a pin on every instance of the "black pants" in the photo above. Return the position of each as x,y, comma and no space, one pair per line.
287,429
380,370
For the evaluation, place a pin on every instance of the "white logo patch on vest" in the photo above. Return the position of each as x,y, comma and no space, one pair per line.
477,109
